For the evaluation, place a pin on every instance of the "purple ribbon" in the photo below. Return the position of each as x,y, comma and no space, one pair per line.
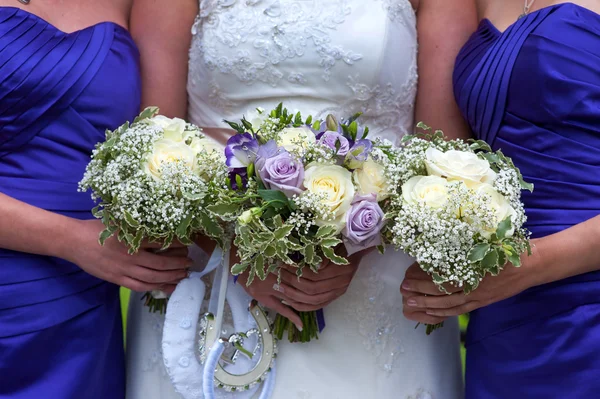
321,320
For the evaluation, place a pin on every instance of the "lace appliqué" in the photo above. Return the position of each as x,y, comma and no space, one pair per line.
278,30
397,10
384,107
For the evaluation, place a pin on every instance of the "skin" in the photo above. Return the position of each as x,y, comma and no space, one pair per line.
163,36
33,230
555,257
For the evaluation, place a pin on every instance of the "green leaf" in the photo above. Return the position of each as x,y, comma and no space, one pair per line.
182,229
478,252
353,129
514,258
270,251
309,254
309,120
331,255
490,260
283,231
130,220
106,234
503,228
326,231
298,119
147,113
330,242
525,185
278,221
317,125
273,196
238,268
247,125
354,117
381,249
211,226
365,133
239,182
223,209
137,241
192,197
250,170
437,278
259,266
501,258
236,127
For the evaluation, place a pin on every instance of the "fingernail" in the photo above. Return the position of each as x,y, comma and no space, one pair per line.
406,286
412,302
277,287
299,328
431,313
285,303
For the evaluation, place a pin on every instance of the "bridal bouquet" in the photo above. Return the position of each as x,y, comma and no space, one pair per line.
301,191
153,180
459,213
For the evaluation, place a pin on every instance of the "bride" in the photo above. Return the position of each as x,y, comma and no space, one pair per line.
320,57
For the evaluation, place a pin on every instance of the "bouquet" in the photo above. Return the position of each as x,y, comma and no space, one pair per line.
460,212
153,180
301,191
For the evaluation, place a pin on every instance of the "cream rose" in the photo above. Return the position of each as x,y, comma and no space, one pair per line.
205,144
173,128
336,183
431,191
501,207
167,151
370,179
459,165
296,138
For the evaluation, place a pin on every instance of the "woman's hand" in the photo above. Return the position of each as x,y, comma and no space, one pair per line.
425,303
313,291
142,271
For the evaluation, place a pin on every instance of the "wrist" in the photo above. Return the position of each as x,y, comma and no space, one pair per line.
66,239
536,272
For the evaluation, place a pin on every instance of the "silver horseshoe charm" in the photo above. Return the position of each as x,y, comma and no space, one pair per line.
266,349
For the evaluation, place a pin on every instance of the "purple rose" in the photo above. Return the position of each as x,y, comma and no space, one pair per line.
281,172
241,150
358,154
331,140
364,221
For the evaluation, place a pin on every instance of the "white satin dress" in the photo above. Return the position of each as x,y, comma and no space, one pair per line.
319,57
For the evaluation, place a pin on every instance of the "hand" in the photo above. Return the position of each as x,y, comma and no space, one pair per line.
142,271
425,303
313,291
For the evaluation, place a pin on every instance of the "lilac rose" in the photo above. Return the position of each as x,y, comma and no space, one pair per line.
364,221
241,150
281,172
331,140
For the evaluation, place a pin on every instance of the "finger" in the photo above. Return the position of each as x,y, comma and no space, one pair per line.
314,287
138,286
422,317
158,262
428,287
330,272
151,276
303,307
285,311
414,272
175,252
437,302
456,311
286,292
147,244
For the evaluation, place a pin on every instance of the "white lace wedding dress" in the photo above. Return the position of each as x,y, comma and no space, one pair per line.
319,56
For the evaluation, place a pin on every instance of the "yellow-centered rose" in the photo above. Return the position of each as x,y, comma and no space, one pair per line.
173,128
336,183
370,179
168,151
460,166
431,191
296,138
501,207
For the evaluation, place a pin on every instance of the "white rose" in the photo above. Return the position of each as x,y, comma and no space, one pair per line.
431,191
501,207
370,179
459,165
167,151
334,181
206,144
173,128
296,138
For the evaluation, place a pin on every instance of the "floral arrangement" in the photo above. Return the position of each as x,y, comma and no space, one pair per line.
153,180
460,212
301,191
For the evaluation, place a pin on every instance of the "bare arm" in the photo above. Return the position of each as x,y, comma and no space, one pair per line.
162,32
443,28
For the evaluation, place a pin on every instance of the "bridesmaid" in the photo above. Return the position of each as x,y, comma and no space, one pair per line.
531,86
68,71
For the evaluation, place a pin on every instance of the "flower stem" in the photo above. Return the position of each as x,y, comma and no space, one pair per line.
310,328
155,305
